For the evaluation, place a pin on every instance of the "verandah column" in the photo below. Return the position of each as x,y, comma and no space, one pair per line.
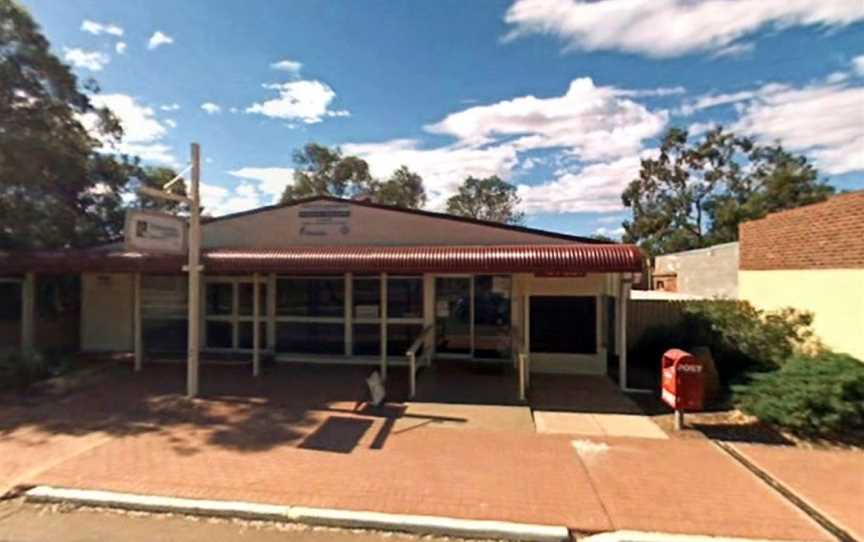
623,301
28,313
256,324
383,313
137,322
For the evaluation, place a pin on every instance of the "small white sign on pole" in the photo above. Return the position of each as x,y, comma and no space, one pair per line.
151,231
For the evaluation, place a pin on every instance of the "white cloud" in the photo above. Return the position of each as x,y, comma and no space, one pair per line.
600,126
120,47
836,77
308,101
287,65
709,101
89,60
858,65
170,107
823,121
101,28
219,200
596,187
614,233
211,108
171,123
142,131
159,38
443,169
591,122
665,28
271,181
735,50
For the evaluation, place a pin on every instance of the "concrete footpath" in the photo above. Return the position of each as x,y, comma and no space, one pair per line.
831,482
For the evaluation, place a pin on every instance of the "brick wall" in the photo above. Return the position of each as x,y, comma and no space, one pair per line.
827,235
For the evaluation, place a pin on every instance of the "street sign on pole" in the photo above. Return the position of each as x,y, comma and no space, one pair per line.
194,266
151,231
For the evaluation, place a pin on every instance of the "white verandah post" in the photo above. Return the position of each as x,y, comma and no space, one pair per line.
256,324
138,338
383,313
623,302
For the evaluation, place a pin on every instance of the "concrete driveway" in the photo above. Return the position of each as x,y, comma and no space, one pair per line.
299,436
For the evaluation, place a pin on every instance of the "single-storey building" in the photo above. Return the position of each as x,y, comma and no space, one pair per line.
346,281
810,258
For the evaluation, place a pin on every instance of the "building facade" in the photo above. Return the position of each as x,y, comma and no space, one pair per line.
709,273
341,281
811,258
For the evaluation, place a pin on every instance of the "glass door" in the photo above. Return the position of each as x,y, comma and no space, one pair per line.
454,316
492,317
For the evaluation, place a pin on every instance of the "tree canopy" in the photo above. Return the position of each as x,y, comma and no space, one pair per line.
325,171
56,188
694,194
487,199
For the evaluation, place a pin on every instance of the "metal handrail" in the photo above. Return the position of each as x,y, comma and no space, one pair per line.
411,354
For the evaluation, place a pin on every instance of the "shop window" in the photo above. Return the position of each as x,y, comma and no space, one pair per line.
10,308
405,297
310,338
317,297
164,296
367,339
220,298
244,335
246,298
220,334
165,335
367,298
563,325
400,337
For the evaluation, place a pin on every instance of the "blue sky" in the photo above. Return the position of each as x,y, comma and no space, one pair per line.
559,97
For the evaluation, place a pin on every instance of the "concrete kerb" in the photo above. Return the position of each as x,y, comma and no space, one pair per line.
641,536
425,525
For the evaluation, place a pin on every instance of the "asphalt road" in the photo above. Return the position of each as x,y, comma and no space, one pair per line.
21,522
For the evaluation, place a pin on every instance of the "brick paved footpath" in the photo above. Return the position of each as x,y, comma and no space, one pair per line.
832,482
303,449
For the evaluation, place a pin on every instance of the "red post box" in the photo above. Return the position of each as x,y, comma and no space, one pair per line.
683,381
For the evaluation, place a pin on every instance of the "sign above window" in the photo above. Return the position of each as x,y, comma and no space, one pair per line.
151,231
324,219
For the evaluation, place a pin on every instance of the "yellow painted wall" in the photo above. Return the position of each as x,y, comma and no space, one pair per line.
834,296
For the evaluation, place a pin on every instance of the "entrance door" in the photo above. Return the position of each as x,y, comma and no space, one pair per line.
453,316
10,315
472,317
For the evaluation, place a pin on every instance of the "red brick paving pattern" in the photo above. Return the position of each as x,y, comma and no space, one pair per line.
832,482
689,486
425,471
293,437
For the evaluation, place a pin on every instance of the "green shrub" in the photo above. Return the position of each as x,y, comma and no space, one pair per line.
820,396
741,338
753,336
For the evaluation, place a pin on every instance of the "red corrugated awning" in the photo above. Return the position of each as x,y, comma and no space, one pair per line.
556,258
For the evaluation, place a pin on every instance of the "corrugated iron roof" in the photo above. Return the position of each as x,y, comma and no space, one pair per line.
557,258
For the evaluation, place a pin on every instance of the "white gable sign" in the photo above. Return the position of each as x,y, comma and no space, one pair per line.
150,231
324,219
